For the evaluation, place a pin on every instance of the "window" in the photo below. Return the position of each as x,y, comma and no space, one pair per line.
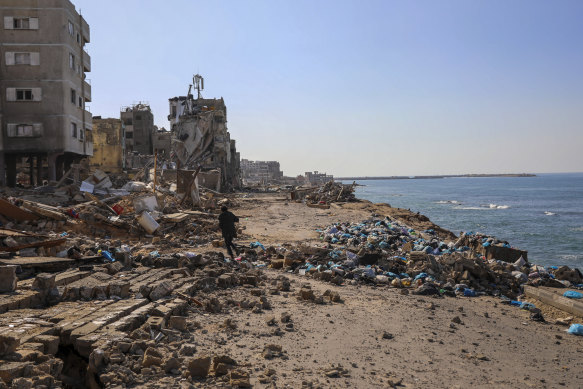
21,23
74,130
78,38
129,135
138,117
24,130
81,134
24,95
80,102
71,28
22,58
73,96
72,61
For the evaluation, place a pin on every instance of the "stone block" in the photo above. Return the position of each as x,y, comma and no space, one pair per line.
199,366
178,323
8,343
161,290
152,357
44,281
8,279
51,343
155,322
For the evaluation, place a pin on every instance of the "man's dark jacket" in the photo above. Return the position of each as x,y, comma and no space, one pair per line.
227,223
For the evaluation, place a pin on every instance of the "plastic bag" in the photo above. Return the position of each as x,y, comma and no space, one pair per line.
572,294
576,329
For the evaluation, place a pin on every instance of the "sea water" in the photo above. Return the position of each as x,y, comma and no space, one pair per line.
542,215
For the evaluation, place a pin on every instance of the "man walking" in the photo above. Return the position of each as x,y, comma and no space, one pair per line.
227,224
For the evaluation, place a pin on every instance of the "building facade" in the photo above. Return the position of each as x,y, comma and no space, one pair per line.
43,89
108,145
316,178
261,171
138,121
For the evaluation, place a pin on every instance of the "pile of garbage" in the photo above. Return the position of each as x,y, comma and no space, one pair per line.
386,252
332,192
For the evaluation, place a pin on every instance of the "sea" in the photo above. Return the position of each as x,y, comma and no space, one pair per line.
542,215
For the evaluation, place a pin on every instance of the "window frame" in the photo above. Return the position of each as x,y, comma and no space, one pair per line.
23,95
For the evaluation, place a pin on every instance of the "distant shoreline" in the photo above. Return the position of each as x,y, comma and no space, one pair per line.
430,177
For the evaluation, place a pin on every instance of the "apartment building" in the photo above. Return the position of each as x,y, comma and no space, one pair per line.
44,120
138,120
260,171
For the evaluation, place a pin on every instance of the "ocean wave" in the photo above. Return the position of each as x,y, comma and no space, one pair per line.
549,213
577,229
448,202
496,206
471,208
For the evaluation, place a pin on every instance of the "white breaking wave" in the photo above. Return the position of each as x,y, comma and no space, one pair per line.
549,213
496,206
448,202
471,208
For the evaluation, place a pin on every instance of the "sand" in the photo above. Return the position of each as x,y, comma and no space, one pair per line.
378,337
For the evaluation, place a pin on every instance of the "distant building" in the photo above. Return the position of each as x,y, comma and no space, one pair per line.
316,178
43,90
162,143
260,171
108,145
138,121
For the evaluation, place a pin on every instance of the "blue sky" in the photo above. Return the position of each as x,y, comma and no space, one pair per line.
359,87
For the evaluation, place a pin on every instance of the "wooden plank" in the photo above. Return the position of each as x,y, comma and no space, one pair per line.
15,213
321,206
176,217
44,243
557,300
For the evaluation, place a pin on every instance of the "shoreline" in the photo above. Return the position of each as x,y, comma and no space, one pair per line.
364,178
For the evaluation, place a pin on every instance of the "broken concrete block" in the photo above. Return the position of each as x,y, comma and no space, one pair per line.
152,357
239,379
119,289
8,343
12,370
155,322
44,281
8,279
199,366
163,289
114,267
178,323
22,383
51,343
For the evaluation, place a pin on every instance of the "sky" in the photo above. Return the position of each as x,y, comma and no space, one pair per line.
359,88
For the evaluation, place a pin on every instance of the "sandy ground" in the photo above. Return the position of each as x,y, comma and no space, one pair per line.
378,337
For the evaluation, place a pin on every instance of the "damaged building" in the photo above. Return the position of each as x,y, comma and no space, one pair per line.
260,171
138,121
108,145
45,125
201,136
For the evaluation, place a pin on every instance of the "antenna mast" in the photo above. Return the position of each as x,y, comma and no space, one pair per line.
198,82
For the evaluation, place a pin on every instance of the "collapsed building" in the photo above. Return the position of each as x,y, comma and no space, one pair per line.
317,178
201,136
45,125
108,145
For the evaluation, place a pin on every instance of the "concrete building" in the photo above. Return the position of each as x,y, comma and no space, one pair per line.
138,120
199,127
260,171
108,145
162,142
316,178
43,89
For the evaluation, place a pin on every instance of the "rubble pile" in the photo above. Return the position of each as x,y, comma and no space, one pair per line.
127,325
332,192
386,252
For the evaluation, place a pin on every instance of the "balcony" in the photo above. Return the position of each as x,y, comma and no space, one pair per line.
86,62
87,91
85,31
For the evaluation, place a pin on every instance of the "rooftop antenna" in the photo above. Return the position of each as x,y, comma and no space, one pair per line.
198,82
